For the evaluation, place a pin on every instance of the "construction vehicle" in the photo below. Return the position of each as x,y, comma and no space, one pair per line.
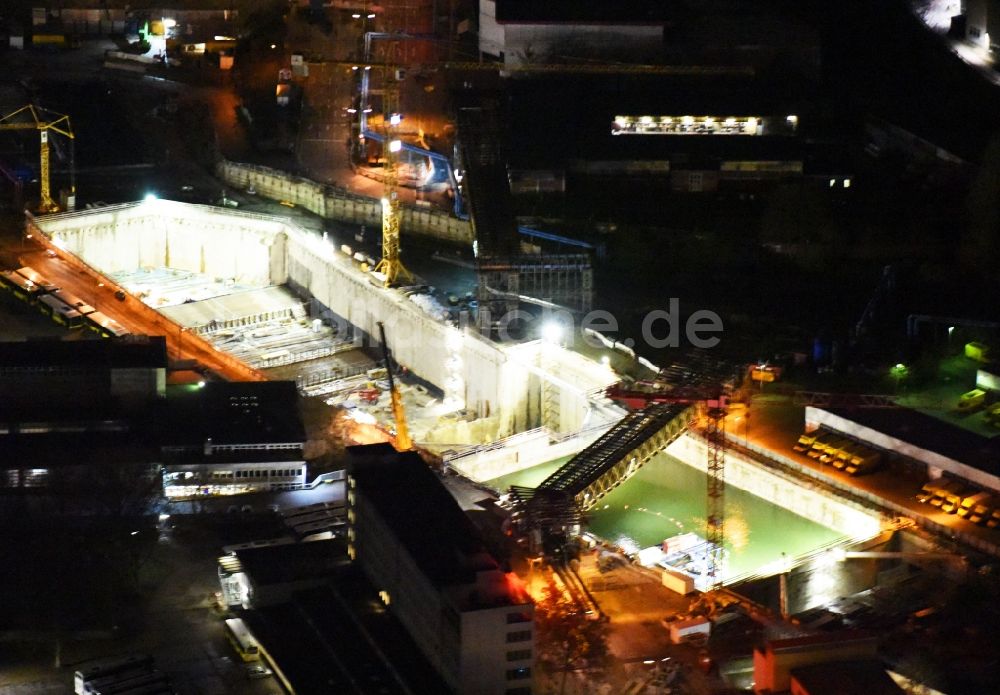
994,519
952,486
844,454
829,448
972,502
864,461
929,489
403,441
805,441
33,117
971,400
818,447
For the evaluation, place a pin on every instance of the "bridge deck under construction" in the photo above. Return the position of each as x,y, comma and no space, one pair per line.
619,452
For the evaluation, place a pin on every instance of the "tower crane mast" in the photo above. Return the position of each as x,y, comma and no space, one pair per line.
715,403
391,265
44,121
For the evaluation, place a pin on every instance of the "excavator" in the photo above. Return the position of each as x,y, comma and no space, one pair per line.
403,441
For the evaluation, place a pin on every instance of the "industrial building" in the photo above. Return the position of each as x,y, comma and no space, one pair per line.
818,664
472,621
72,407
935,446
229,438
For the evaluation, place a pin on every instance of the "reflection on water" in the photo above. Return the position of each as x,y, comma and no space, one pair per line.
667,497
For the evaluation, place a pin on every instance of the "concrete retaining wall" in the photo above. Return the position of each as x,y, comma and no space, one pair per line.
500,384
337,204
815,505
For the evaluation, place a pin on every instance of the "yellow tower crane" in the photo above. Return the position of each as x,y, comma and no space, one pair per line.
391,265
403,441
33,117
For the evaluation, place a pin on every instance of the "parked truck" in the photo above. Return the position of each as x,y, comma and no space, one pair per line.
819,444
865,461
844,455
950,487
930,489
806,440
971,400
975,506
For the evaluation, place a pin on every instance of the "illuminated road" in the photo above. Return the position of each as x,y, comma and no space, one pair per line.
134,315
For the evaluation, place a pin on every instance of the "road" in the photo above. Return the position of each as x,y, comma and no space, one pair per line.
68,273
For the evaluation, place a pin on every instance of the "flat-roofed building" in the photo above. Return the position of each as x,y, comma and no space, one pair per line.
774,663
233,437
473,621
923,440
54,376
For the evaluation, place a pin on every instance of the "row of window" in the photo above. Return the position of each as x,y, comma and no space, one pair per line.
519,636
519,655
280,473
516,674
519,617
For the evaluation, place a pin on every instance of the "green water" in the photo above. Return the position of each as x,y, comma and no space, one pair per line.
528,477
667,497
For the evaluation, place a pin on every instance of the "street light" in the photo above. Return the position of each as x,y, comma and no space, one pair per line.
899,372
552,332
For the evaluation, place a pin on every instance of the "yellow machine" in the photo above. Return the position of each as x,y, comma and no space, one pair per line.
43,121
403,441
391,265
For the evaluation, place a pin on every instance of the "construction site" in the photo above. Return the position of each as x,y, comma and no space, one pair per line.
497,411
492,385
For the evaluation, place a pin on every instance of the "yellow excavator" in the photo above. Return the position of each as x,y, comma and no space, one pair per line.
403,441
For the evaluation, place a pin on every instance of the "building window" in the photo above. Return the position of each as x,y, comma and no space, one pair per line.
520,636
519,655
516,674
518,618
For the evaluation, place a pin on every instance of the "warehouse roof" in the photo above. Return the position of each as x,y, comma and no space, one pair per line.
929,434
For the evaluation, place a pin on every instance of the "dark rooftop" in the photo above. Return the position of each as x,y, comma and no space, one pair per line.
930,433
330,640
809,642
291,562
547,125
117,353
423,515
235,413
56,450
836,678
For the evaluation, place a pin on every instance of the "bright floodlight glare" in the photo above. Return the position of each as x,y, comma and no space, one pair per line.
395,146
150,197
552,332
201,384
394,119
605,360
169,23
371,16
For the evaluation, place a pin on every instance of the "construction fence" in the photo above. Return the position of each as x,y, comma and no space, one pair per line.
338,204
